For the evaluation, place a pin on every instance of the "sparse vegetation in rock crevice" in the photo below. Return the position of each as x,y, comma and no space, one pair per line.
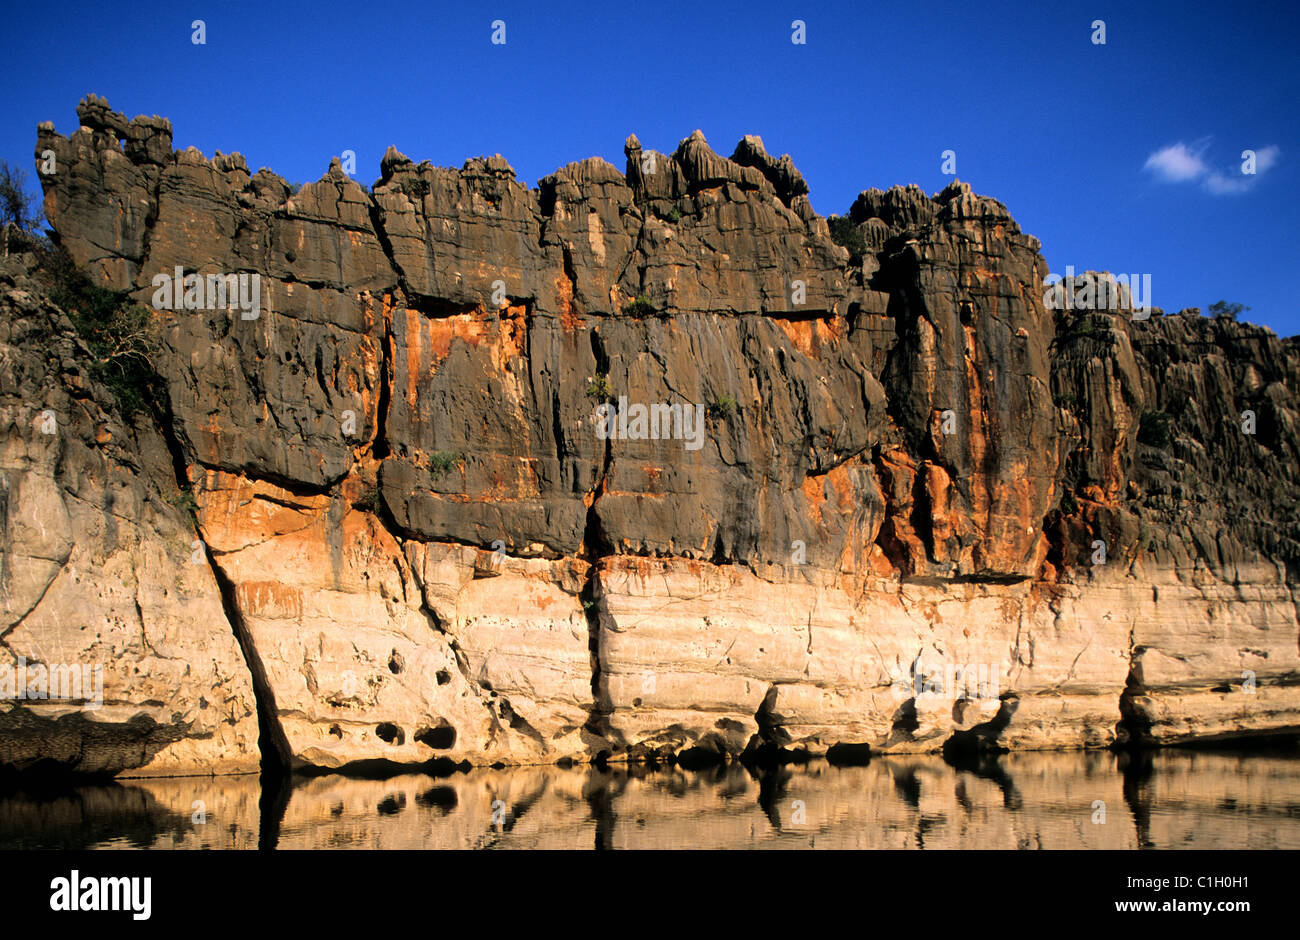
722,407
187,505
1155,429
442,462
846,234
1083,335
369,499
639,307
120,333
598,387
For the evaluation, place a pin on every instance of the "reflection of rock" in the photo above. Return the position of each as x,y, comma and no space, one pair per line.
908,459
1174,799
1033,800
526,807
180,813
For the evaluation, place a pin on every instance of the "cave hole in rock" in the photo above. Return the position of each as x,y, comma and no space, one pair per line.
440,737
444,677
966,311
396,662
390,733
906,720
336,731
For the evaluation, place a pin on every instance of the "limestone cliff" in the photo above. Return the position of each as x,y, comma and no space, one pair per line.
415,539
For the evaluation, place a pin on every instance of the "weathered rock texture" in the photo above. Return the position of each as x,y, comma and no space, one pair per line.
907,465
100,567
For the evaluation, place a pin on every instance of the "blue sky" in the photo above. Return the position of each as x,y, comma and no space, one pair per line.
1061,130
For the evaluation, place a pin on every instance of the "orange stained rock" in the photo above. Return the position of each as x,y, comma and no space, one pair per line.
235,511
629,564
802,335
1010,525
1095,493
814,492
943,525
878,562
569,318
469,328
513,336
841,483
366,304
1039,557
412,322
269,600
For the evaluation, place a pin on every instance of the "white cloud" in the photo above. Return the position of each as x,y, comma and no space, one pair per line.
1178,163
1266,157
1223,185
1184,163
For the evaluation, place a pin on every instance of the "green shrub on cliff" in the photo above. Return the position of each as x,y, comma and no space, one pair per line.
641,307
722,406
118,331
368,500
1154,429
847,235
186,504
20,211
442,462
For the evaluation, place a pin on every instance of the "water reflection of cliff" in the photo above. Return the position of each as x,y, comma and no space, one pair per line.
1170,799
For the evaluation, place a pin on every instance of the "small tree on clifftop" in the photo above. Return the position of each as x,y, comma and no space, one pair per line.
1229,311
19,210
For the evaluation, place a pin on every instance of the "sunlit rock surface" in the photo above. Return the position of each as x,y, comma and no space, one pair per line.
921,505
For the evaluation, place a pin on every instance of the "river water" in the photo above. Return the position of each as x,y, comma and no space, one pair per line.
1167,799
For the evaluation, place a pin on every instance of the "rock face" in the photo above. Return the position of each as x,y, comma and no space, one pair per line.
100,568
639,463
